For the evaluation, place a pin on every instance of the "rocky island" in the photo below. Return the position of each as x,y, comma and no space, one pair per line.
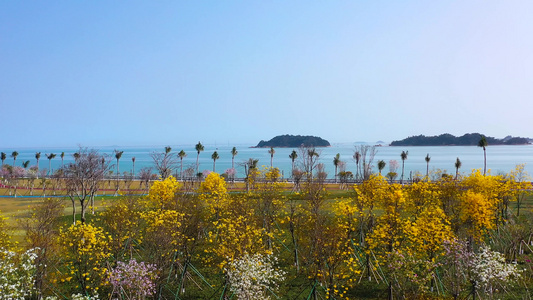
293,141
469,139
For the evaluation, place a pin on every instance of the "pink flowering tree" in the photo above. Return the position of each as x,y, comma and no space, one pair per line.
205,173
16,173
133,280
231,173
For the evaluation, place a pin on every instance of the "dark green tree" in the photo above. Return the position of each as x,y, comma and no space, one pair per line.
14,154
404,157
214,157
381,166
457,166
181,155
427,158
483,144
50,157
336,161
199,148
271,152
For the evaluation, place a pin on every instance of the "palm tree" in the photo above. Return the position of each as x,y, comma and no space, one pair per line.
293,156
133,166
181,155
3,156
25,164
427,165
37,157
214,157
50,157
483,144
404,157
457,166
357,157
168,149
271,152
234,152
199,148
118,155
250,165
62,155
381,166
14,155
336,161
76,156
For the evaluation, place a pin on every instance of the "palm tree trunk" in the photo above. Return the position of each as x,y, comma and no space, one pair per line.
197,156
403,163
484,161
181,170
118,174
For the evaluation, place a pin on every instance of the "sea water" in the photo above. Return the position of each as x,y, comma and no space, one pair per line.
500,159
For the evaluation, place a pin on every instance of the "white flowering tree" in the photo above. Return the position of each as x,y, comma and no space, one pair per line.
16,274
490,272
252,276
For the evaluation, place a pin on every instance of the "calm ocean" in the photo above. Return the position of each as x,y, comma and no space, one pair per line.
500,159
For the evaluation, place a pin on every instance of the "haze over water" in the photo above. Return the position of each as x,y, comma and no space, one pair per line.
500,159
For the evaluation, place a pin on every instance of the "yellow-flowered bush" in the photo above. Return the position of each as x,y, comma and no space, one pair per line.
162,193
84,249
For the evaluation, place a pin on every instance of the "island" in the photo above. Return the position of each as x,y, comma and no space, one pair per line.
469,139
293,141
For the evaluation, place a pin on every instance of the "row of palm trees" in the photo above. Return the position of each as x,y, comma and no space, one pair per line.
215,156
381,164
25,164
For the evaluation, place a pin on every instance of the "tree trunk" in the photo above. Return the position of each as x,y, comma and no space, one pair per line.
484,161
73,210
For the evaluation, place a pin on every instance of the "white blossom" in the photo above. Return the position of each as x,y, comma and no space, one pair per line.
490,270
16,274
251,276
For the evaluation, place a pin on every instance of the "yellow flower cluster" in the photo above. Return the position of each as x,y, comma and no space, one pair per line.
85,249
162,193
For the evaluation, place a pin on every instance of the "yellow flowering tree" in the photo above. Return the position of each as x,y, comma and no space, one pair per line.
5,234
122,221
422,194
235,232
163,241
477,214
520,185
162,193
268,201
214,193
85,250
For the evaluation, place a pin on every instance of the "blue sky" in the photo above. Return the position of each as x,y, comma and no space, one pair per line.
97,73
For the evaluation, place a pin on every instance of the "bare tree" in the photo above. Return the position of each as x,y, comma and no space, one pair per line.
145,175
82,178
308,161
164,162
366,158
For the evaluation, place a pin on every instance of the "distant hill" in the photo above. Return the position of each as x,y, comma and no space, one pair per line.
469,139
293,141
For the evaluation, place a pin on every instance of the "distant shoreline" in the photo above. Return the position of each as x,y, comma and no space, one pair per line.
469,139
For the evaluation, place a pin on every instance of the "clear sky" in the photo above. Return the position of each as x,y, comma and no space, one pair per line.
98,73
